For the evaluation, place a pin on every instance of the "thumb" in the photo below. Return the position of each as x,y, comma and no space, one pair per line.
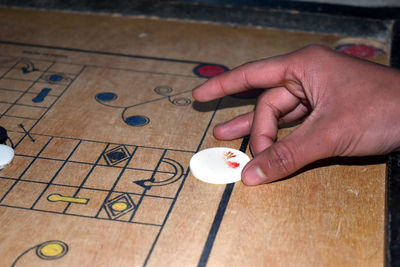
303,146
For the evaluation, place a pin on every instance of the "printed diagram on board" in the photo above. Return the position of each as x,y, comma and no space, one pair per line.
49,250
95,141
120,177
106,98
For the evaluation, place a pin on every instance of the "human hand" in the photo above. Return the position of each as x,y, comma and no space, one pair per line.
347,107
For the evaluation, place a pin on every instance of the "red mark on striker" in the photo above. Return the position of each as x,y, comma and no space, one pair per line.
231,164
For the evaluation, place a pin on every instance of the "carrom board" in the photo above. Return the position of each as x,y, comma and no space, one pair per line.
99,111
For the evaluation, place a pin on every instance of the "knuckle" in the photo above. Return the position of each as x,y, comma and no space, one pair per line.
221,87
315,48
318,53
255,150
282,158
246,82
331,136
333,141
265,101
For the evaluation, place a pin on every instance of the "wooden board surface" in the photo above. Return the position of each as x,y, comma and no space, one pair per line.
100,113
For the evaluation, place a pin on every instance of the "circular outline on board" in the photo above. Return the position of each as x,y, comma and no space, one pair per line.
63,252
196,69
98,99
146,120
378,46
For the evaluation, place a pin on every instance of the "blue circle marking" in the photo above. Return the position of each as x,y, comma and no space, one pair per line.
137,120
56,78
106,96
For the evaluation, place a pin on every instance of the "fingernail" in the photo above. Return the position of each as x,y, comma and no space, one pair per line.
254,176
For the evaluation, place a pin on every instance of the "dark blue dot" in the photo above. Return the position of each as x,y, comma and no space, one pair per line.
107,96
55,78
137,120
116,156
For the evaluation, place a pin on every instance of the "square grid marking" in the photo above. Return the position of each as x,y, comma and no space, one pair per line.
28,89
94,189
117,182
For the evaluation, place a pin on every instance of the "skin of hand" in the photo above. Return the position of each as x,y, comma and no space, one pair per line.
346,106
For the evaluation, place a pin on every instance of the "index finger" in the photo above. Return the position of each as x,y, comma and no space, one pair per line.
265,73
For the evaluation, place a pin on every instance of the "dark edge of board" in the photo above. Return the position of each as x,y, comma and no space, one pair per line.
392,216
223,204
330,19
122,6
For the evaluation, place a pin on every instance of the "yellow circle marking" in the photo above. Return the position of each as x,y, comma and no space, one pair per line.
119,206
52,250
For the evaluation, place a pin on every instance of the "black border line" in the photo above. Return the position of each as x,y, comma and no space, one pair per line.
223,204
181,185
104,53
392,210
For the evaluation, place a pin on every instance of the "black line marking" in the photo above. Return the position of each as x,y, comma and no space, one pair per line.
23,94
12,67
178,101
19,117
101,52
87,176
55,101
146,189
176,175
26,132
55,175
181,185
219,215
11,142
209,124
9,89
216,224
106,199
26,169
166,218
88,163
22,254
24,105
101,142
392,211
85,188
79,215
81,186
